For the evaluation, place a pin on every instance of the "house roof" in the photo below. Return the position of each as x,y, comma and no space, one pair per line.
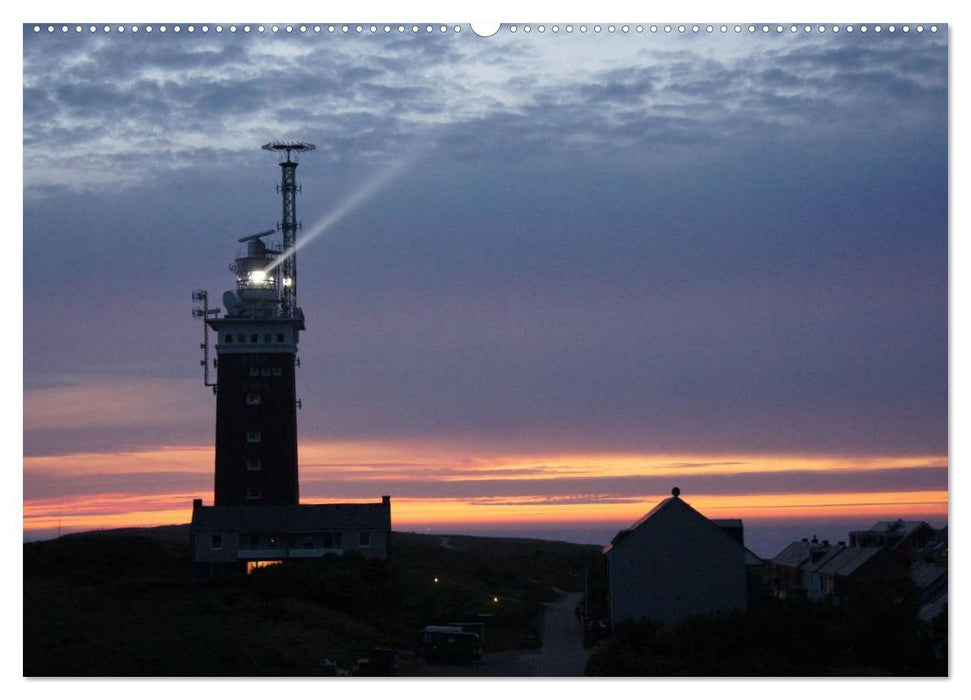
827,555
897,530
293,518
923,574
672,502
727,522
795,554
752,559
848,560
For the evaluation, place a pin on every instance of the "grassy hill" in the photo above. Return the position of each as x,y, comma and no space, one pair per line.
122,603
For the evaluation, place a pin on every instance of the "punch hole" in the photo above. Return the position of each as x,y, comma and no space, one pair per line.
485,29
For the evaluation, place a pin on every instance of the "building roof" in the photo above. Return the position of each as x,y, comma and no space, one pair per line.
752,559
293,518
923,574
727,522
848,560
672,502
825,556
892,532
795,554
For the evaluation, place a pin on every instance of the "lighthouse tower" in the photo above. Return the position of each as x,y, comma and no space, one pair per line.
256,355
257,519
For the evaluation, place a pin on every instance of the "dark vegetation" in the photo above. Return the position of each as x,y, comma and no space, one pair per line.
875,632
106,604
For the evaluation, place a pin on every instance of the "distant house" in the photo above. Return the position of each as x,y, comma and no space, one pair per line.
674,563
904,537
247,537
790,571
848,567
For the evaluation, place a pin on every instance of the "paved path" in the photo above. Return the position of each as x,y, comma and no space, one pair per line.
562,652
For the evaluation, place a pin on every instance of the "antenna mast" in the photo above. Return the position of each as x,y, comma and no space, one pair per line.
288,188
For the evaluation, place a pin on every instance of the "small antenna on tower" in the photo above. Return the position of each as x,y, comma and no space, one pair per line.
200,309
289,225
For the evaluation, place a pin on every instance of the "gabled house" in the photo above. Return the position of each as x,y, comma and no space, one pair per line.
790,570
903,537
849,567
674,563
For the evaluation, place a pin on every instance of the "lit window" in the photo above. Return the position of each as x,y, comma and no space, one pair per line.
216,542
253,495
254,464
253,436
365,539
251,566
252,399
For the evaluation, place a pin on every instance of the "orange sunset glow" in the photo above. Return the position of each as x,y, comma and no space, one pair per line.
441,486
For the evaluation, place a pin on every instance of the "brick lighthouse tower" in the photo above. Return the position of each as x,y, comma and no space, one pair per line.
257,519
256,349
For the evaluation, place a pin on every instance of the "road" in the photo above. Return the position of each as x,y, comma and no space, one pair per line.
561,654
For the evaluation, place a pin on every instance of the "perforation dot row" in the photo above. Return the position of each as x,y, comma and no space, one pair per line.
442,29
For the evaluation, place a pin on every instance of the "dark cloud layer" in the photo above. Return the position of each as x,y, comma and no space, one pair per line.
682,243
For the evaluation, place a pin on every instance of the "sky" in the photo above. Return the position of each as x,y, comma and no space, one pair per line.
547,276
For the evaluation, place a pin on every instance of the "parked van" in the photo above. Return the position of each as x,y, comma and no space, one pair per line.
449,643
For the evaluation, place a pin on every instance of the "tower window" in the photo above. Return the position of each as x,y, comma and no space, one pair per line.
253,436
364,540
254,464
254,338
216,542
229,338
279,337
252,399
